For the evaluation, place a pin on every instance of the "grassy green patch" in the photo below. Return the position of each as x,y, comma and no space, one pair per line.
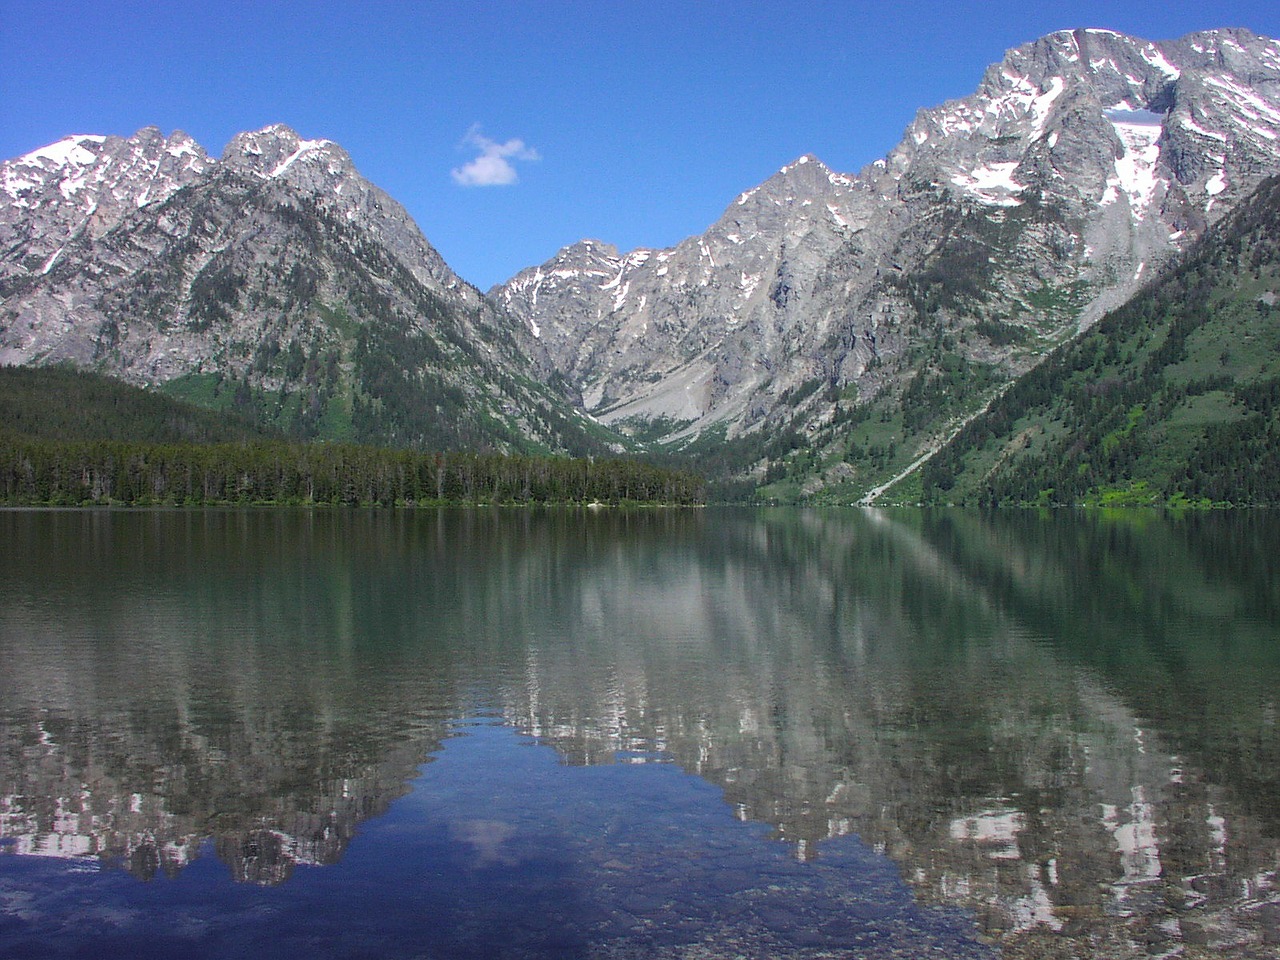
202,389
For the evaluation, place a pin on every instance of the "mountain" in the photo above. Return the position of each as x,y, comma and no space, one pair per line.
836,329
1172,398
275,281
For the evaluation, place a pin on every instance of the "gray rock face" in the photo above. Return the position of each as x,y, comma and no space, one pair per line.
685,333
69,195
1083,162
322,169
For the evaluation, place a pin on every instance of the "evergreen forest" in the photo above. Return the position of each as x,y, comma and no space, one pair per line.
70,438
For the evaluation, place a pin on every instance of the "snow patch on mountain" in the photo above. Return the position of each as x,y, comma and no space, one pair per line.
1245,101
1188,122
66,159
70,151
304,147
1154,56
993,184
1136,171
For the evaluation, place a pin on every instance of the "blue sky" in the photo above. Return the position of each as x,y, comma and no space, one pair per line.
633,123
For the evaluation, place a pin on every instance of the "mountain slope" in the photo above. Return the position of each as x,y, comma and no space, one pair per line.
834,328
1174,397
275,281
60,403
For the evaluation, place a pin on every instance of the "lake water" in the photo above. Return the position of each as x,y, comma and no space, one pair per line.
666,733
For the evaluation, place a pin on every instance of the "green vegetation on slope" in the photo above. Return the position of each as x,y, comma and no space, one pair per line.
305,322
1173,398
62,403
961,328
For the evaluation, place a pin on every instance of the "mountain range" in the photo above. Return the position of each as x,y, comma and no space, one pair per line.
823,339
275,281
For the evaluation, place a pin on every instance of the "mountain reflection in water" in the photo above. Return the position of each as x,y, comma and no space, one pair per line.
1064,723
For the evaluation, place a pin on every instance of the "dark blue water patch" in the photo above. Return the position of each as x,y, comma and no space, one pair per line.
502,851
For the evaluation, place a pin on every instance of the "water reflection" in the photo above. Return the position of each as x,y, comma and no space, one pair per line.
1066,723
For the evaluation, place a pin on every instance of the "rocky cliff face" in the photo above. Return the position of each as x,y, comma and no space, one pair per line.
1000,224
694,333
275,279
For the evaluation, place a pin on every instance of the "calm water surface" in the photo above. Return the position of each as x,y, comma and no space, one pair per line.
695,734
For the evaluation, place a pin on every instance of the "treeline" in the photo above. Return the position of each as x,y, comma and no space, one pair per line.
34,471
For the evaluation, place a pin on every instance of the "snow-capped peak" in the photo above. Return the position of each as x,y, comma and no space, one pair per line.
799,162
275,149
90,174
68,151
64,162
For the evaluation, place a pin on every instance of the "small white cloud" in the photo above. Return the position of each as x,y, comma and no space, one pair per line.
493,168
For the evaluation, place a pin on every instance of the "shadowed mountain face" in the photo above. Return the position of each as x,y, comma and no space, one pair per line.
1001,223
1065,724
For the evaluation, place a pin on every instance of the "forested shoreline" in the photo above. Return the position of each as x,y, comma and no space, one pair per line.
107,472
71,437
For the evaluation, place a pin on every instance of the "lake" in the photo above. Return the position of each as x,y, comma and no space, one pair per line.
690,733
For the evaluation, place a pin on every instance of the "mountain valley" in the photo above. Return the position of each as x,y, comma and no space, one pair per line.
834,330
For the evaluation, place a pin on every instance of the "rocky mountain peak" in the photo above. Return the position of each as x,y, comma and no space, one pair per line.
278,151
324,171
589,247
805,178
1234,49
1138,144
804,170
277,268
91,165
1082,113
85,185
